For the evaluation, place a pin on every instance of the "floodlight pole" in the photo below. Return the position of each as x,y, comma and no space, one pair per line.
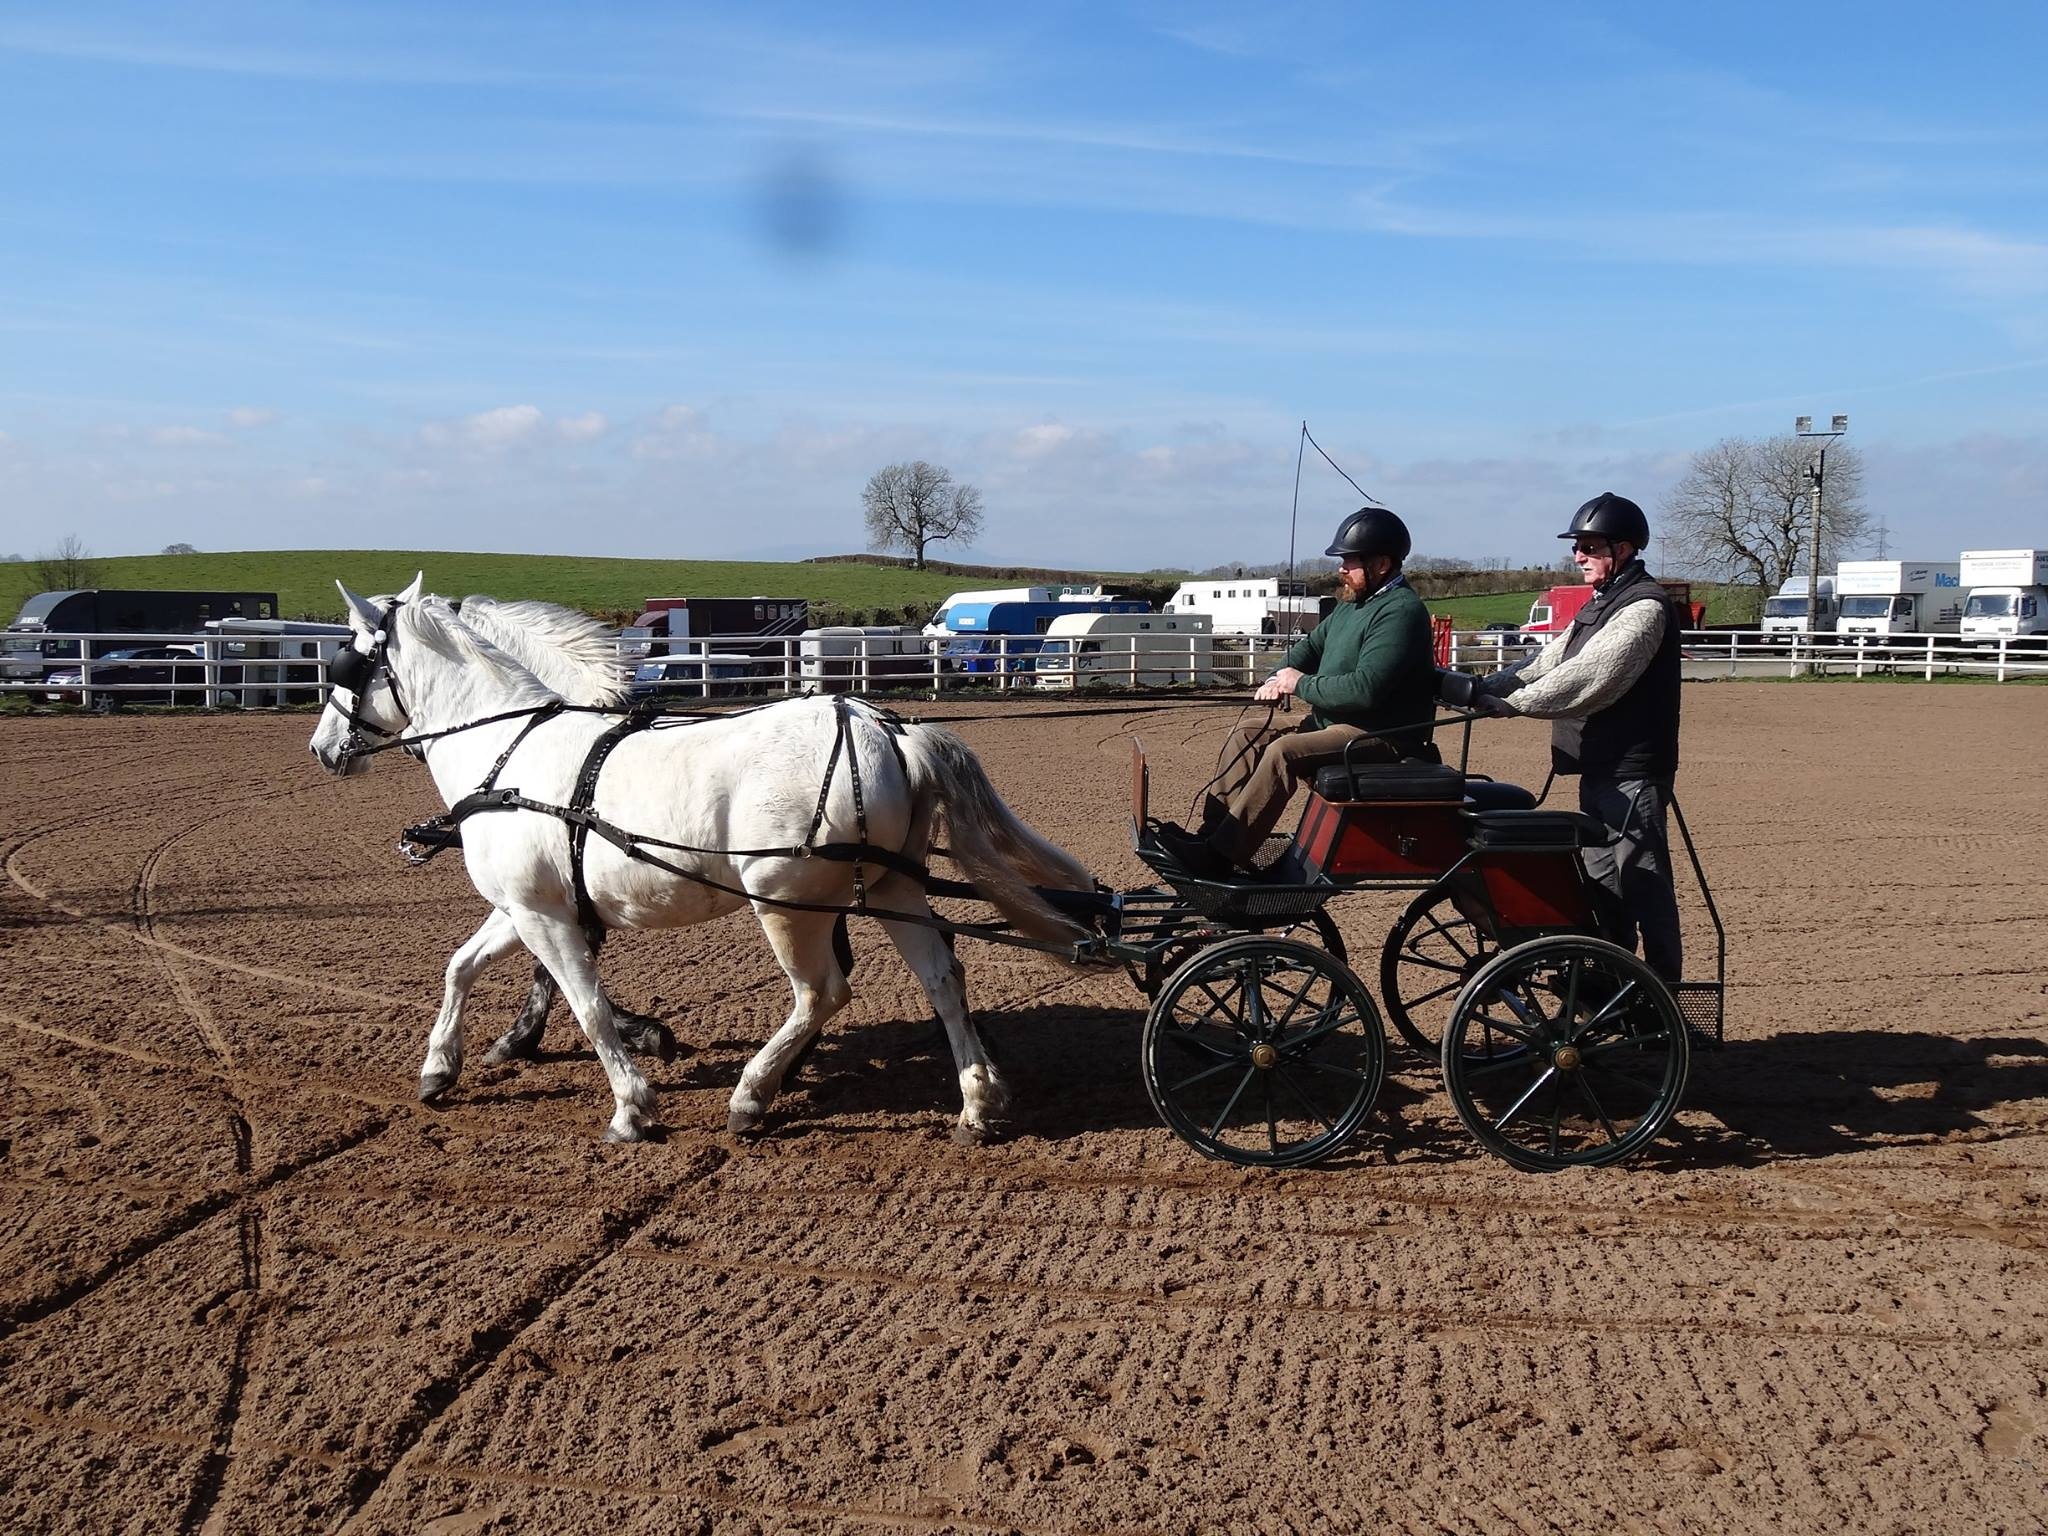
1817,475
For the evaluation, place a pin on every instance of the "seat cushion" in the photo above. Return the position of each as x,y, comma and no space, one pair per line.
1390,781
1536,829
1492,795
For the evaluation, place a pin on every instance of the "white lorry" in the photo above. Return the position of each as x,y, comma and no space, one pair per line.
1785,610
2008,595
1250,605
1899,597
1141,650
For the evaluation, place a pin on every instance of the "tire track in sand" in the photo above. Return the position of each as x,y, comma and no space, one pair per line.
440,1397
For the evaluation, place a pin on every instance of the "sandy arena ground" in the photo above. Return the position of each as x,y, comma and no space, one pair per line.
248,1284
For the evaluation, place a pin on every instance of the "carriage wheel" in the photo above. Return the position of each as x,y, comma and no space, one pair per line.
1429,956
1264,1051
1565,1051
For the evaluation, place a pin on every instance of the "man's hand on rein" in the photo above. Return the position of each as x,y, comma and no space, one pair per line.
1280,685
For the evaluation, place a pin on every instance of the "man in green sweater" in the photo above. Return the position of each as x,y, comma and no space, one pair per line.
1367,668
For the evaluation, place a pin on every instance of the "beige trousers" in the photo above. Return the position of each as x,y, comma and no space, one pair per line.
1260,767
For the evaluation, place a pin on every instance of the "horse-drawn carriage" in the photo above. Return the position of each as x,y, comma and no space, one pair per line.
1558,1047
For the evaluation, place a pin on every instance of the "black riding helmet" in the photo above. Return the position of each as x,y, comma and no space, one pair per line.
1371,531
1611,517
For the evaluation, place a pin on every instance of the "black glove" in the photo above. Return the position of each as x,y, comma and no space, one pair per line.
1455,688
1493,704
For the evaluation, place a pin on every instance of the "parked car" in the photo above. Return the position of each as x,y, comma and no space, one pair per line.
683,677
131,666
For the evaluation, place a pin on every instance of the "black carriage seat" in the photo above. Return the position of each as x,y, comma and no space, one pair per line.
1418,780
1537,829
1493,795
1410,780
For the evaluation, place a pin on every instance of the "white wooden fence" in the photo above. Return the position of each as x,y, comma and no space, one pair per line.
247,672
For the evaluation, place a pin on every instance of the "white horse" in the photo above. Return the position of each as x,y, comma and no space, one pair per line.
725,801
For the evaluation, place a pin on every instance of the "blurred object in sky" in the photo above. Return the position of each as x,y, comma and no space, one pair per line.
802,203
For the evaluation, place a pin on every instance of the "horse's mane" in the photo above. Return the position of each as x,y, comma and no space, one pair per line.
572,653
431,623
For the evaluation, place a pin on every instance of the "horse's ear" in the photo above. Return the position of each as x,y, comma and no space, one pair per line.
365,615
413,591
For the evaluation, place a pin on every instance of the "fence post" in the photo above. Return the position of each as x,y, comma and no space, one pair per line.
1929,675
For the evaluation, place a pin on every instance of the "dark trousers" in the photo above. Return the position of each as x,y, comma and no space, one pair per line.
1260,767
1636,869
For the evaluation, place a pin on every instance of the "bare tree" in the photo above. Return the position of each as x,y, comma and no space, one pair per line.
69,565
1742,512
912,505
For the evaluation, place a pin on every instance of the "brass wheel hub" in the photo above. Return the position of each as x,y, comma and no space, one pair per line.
1566,1058
1265,1055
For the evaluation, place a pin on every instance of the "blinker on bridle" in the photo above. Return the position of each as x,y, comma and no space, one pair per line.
355,670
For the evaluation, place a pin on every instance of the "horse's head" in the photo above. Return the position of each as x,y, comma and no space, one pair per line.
364,704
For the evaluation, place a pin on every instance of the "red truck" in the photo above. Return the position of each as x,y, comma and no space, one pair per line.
1555,609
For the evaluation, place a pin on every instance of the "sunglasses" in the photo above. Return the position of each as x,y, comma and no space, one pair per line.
1592,547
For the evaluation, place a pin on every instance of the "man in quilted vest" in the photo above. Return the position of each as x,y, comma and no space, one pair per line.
1609,686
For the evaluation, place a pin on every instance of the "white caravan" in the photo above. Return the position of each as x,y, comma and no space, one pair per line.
1899,597
2008,594
1250,605
1785,610
1148,650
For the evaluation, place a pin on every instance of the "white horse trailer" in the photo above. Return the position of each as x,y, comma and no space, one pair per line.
1250,605
841,658
1132,649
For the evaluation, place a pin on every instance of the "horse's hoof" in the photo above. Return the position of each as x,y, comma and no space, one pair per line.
434,1084
630,1133
506,1048
975,1135
742,1124
664,1042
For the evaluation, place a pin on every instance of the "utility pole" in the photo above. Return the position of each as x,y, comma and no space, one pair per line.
1817,476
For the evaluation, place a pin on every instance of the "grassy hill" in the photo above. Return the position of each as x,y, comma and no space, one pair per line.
304,582
304,579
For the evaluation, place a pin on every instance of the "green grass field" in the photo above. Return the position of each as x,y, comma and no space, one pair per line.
304,582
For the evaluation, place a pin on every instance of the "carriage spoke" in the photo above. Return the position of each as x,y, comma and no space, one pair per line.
1516,1031
1294,1000
1487,1066
1185,1039
1515,1110
1303,1099
1220,1006
1431,996
1556,1116
1606,1011
1438,927
1412,956
1204,1076
1272,1125
1621,1042
1216,1130
1586,1088
1334,1018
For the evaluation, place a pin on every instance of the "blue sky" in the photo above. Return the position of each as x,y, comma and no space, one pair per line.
673,281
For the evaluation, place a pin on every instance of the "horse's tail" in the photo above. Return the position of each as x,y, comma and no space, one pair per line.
1002,856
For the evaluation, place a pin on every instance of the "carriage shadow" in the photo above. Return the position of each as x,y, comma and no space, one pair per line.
1801,1095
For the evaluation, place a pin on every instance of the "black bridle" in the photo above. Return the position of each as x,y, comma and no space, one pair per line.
356,671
